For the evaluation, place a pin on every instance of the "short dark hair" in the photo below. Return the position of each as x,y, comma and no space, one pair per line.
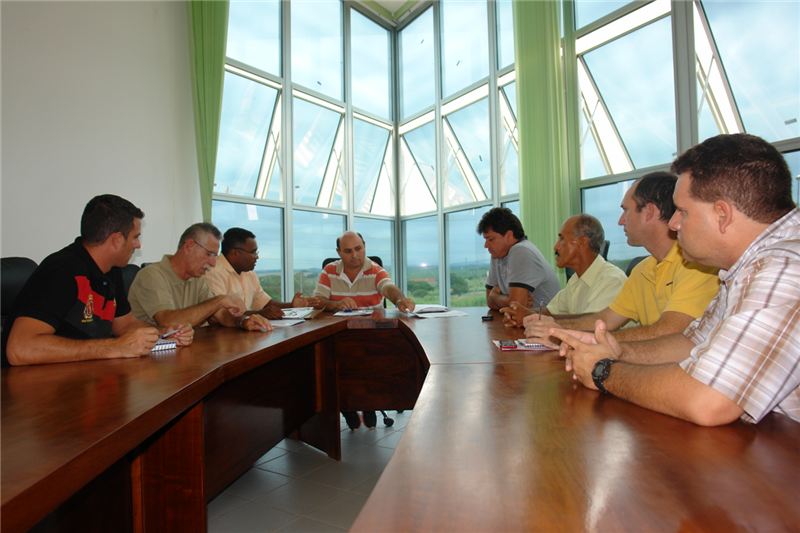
656,188
500,220
590,227
234,238
357,233
744,170
195,231
106,215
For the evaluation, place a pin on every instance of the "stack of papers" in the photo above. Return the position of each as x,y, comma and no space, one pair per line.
285,322
297,312
435,311
354,312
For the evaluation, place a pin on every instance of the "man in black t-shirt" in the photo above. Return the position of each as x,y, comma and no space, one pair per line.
74,306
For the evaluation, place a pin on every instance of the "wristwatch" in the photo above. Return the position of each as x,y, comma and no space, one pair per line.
600,373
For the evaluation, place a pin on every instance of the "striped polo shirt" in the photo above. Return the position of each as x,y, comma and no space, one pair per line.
367,289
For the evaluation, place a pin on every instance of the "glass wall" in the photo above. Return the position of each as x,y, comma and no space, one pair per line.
421,245
467,259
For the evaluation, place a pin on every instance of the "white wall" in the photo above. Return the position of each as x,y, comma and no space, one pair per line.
96,98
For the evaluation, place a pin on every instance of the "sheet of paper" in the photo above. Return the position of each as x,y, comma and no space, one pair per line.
285,323
446,314
354,312
297,312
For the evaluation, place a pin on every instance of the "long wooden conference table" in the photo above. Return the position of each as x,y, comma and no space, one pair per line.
497,441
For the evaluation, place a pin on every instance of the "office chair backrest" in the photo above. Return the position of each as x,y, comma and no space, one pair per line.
129,272
374,258
633,262
14,272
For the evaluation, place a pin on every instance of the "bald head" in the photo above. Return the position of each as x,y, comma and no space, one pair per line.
352,250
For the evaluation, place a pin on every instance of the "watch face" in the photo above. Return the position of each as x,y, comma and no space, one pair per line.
597,371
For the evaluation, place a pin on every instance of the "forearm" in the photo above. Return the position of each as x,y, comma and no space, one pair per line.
577,322
669,323
668,389
667,349
225,318
327,304
497,300
393,294
196,315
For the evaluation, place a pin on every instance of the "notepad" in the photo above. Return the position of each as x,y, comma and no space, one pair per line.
164,344
522,345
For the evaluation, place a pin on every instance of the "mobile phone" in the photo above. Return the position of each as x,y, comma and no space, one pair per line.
508,344
487,318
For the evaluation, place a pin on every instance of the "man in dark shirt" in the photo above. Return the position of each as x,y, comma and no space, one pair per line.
74,306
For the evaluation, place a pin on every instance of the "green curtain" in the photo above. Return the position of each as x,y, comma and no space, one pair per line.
208,29
543,155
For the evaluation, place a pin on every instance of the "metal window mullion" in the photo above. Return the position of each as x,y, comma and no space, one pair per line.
495,134
686,108
348,174
444,284
287,149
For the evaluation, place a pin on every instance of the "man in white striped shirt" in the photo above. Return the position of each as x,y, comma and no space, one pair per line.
741,359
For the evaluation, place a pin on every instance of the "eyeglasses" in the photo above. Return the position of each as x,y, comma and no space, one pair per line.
254,253
209,252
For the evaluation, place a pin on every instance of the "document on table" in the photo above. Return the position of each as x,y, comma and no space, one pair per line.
285,322
435,311
297,312
521,345
354,312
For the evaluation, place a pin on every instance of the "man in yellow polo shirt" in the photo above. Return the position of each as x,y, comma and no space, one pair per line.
664,293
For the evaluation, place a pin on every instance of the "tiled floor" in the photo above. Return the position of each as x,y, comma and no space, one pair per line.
296,488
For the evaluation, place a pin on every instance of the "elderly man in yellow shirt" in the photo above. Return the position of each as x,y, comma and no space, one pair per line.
234,275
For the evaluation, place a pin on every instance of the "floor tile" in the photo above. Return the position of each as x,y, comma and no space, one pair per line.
256,482
344,474
251,518
223,503
274,453
300,497
342,511
390,441
297,464
292,445
366,487
306,525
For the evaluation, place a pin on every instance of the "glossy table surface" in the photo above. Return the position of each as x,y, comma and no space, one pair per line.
507,441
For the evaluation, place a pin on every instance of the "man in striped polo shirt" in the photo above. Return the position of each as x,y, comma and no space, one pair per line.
354,281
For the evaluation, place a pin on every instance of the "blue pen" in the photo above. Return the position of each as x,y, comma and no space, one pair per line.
165,335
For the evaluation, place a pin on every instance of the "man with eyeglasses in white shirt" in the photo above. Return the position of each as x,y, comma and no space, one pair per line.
175,289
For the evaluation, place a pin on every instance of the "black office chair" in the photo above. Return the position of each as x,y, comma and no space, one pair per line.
633,262
14,272
129,272
603,252
388,422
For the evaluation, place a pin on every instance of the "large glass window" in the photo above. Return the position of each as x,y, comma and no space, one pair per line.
370,65
373,175
250,114
254,34
604,203
505,33
588,11
421,244
418,169
509,154
317,46
314,239
465,44
267,224
417,71
467,259
467,177
631,79
318,146
758,44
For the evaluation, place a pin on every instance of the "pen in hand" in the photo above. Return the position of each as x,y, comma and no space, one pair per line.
165,335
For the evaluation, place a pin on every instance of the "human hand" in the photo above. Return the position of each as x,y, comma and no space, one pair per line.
299,301
529,300
537,329
234,305
255,322
271,311
185,334
584,355
346,303
514,314
136,342
406,305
